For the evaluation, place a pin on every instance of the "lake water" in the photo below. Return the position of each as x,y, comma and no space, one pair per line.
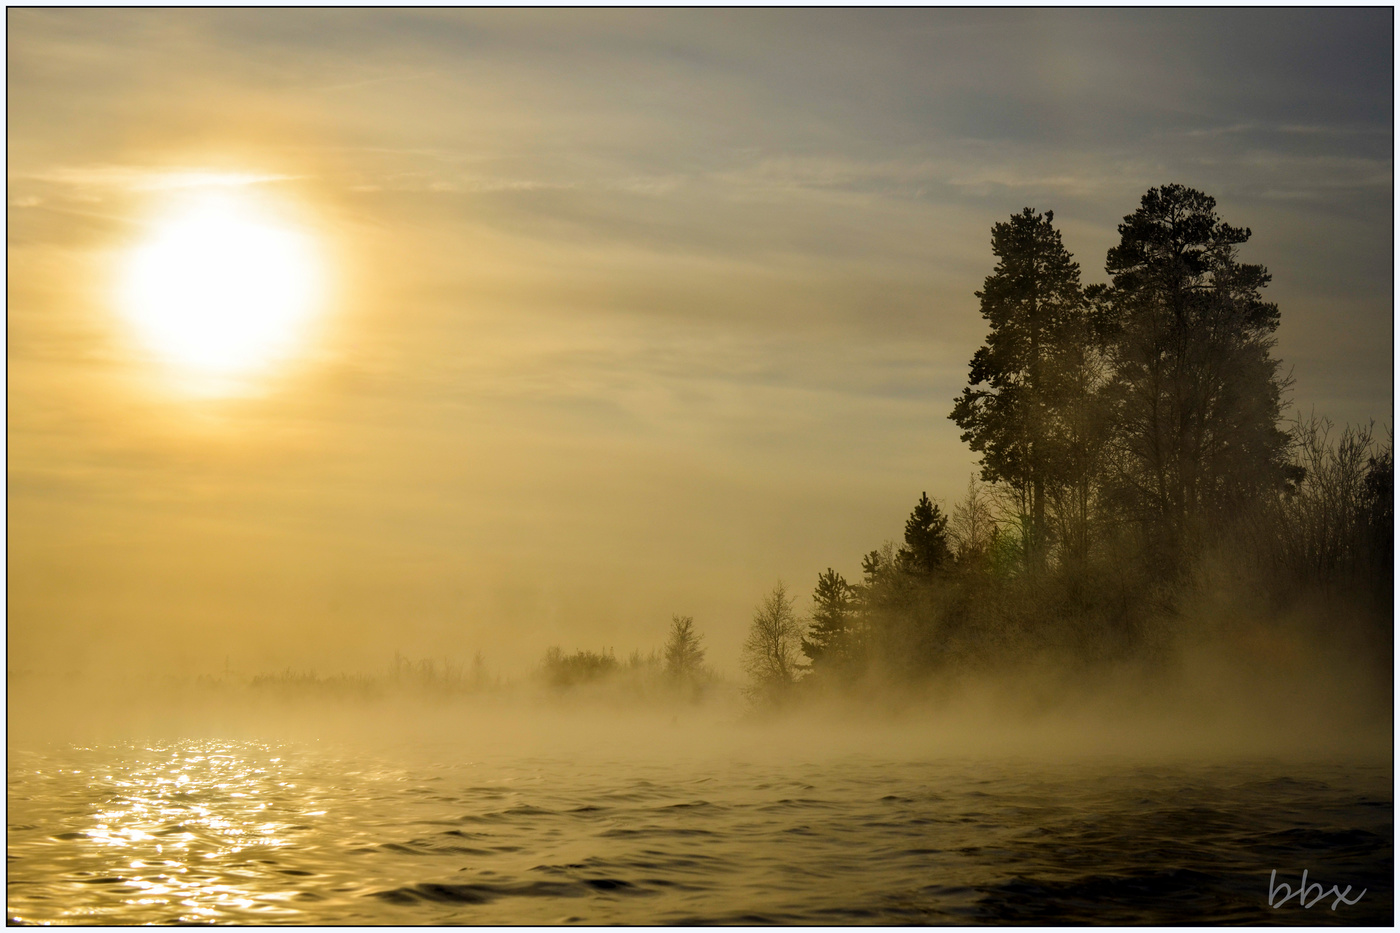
325,833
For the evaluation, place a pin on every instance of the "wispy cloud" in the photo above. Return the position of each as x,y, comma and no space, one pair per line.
146,178
1290,129
966,166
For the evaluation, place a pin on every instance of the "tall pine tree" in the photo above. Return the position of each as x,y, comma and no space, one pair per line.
1197,394
1030,372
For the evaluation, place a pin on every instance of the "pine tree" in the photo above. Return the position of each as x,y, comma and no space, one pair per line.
925,548
1032,366
829,641
1196,393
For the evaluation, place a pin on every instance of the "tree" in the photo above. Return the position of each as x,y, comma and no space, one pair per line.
925,548
1378,502
1031,366
829,638
566,670
1196,393
771,650
685,658
1333,528
877,594
879,569
972,526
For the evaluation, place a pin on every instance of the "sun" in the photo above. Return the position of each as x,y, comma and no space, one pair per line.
222,286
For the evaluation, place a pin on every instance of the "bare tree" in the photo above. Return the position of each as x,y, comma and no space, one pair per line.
771,650
1324,526
972,523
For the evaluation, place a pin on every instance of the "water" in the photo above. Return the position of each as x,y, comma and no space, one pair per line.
311,832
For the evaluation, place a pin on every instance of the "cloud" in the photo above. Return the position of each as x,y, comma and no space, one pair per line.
1293,129
129,178
607,265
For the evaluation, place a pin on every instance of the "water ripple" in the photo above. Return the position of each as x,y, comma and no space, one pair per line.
200,832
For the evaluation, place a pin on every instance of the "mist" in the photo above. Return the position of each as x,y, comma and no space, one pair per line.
710,466
1235,688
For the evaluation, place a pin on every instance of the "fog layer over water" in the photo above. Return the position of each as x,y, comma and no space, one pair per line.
1023,800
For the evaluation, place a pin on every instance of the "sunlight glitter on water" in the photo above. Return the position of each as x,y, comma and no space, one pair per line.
414,835
171,816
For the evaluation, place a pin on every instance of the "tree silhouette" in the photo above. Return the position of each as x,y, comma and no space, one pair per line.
828,642
925,548
971,526
685,658
771,650
1031,366
1196,393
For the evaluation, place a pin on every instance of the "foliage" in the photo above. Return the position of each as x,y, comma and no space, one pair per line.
302,683
1029,422
1378,501
925,548
1195,394
1334,528
830,637
1132,459
878,597
972,527
637,662
567,670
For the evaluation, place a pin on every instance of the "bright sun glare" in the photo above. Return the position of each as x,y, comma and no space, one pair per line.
221,288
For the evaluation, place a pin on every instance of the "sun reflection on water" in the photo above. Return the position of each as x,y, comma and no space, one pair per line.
433,834
177,835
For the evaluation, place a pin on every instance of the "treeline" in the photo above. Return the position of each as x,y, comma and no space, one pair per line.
1133,455
404,677
678,671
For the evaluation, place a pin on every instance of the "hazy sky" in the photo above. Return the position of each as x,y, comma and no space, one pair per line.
631,313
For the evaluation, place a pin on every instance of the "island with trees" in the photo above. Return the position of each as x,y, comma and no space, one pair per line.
1136,472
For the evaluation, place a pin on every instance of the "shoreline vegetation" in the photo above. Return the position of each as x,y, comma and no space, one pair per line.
1141,494
1144,511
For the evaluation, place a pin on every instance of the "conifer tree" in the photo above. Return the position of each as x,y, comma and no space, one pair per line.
925,548
1031,368
828,642
1196,392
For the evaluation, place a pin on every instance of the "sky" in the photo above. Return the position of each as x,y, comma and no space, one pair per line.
623,313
